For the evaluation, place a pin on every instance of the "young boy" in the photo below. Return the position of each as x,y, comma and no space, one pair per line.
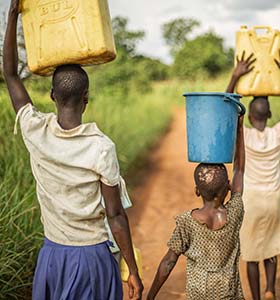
75,166
260,232
209,236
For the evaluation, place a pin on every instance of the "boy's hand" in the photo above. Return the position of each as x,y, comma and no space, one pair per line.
277,61
135,287
244,66
14,6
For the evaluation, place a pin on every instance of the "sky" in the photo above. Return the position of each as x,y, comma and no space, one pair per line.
222,16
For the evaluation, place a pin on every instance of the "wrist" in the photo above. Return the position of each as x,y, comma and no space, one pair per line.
134,271
14,11
235,76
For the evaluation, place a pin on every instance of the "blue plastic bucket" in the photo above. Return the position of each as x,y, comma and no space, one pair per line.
211,126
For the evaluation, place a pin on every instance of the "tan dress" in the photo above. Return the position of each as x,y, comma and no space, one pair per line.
260,232
212,265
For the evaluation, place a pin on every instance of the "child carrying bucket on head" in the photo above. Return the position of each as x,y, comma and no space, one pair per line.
75,167
260,232
209,236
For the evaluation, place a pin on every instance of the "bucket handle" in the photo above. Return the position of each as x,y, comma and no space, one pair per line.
242,109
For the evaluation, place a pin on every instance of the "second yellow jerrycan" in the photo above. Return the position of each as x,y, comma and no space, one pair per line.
264,42
58,32
124,268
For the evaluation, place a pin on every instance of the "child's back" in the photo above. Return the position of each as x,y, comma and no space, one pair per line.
212,254
67,166
262,158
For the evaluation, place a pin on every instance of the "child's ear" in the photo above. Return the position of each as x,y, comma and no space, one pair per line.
85,97
197,192
269,115
52,95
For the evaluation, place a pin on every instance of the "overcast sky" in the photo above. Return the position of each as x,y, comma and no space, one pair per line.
222,16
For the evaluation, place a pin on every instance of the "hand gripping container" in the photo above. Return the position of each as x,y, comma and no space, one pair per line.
211,126
264,42
61,32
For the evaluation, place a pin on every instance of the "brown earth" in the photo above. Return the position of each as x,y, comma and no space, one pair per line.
165,189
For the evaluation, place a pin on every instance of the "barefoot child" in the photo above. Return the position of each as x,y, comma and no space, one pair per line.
209,236
75,167
260,231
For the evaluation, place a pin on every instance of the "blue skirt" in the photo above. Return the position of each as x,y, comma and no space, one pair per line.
76,273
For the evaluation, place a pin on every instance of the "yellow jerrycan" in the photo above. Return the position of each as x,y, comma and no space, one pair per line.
124,268
264,42
58,32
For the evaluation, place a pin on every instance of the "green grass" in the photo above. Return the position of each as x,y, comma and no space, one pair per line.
133,121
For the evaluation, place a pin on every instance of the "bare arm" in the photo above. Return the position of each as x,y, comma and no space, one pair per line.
239,159
17,91
165,268
243,67
119,225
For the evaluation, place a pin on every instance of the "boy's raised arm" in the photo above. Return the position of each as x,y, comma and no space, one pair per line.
239,159
119,225
17,91
243,67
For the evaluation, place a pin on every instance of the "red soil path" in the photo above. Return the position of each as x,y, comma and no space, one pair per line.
165,189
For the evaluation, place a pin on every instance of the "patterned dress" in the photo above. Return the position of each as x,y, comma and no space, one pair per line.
213,255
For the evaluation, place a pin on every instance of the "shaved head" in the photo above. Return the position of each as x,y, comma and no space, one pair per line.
211,180
260,108
70,82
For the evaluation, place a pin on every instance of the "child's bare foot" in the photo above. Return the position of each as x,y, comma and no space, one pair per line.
269,296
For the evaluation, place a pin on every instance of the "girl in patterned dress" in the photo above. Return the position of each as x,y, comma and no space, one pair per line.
209,236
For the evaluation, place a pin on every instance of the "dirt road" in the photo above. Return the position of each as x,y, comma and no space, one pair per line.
166,189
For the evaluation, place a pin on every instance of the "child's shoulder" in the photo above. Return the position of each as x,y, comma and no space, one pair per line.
184,218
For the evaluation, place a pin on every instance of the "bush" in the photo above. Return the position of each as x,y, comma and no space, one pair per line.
204,54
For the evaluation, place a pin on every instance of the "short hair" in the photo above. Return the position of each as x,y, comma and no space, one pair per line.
211,180
259,108
69,83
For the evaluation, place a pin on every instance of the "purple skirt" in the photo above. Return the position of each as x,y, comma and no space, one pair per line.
76,273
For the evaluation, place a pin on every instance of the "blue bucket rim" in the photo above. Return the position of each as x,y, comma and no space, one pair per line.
211,94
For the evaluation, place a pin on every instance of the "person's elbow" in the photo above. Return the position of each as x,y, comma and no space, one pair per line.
117,220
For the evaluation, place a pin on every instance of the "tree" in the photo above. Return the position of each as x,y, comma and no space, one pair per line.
130,70
176,32
125,39
203,54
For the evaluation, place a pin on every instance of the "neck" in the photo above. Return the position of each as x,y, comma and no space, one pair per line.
259,125
213,204
69,117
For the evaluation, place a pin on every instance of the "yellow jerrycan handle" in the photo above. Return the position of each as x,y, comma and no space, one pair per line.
268,28
124,268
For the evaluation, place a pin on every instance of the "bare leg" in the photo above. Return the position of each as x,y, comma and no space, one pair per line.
270,272
253,274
